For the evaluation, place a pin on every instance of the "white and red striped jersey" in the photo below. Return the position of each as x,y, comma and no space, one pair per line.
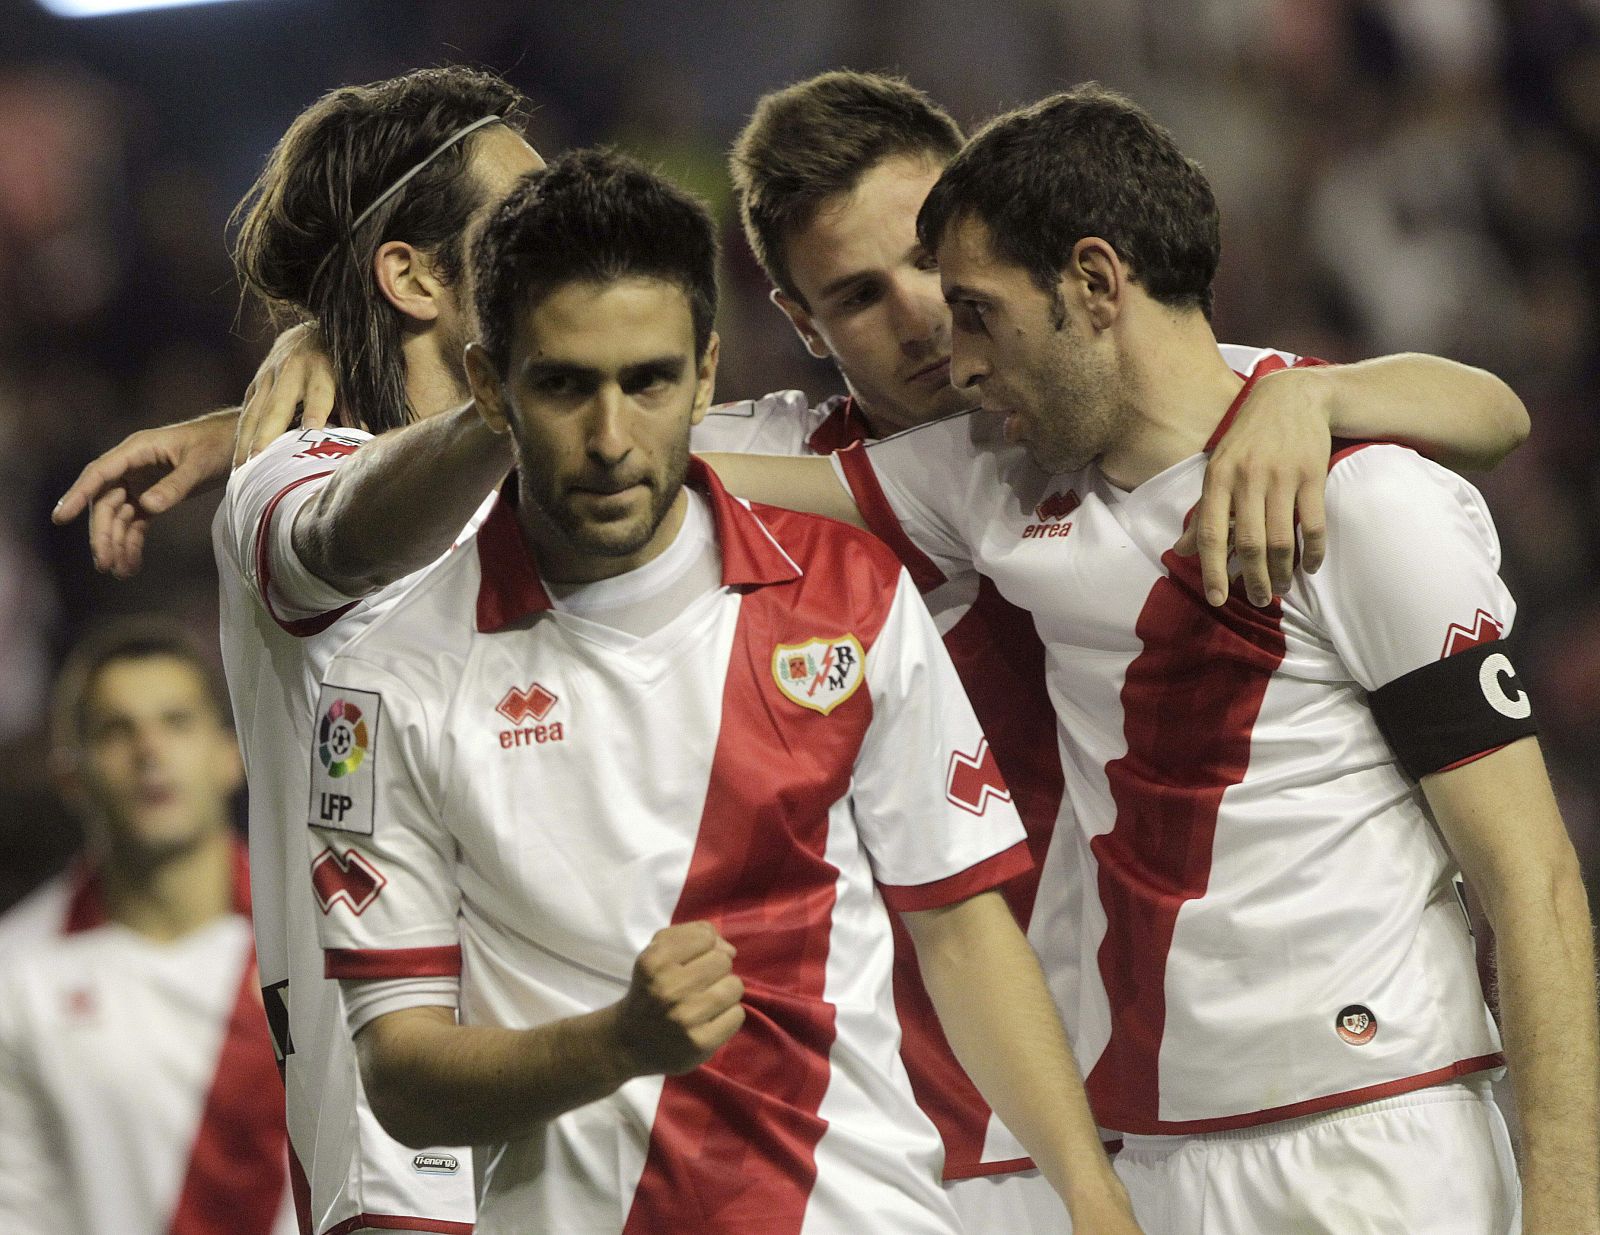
137,1086
1269,925
999,658
524,797
280,627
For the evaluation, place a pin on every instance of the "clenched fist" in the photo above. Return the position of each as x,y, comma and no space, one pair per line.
683,1001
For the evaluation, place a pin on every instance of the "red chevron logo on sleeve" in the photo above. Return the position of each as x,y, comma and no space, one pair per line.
974,779
350,878
1459,638
328,448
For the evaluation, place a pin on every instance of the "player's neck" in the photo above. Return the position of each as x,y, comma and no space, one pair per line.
167,898
432,386
1179,387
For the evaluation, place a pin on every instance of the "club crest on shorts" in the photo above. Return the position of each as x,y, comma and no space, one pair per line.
819,674
1356,1024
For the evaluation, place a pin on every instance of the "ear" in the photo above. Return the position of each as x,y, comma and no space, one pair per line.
1096,277
705,380
800,318
488,394
406,278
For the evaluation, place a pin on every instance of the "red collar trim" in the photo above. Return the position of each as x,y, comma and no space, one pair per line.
843,426
86,904
510,588
1269,364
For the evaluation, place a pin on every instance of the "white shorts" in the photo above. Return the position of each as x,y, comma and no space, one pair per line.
1434,1162
1016,1203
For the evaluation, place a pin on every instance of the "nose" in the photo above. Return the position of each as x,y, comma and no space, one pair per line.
968,366
608,439
920,318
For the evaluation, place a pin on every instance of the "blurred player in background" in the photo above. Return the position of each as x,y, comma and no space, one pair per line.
830,174
137,1086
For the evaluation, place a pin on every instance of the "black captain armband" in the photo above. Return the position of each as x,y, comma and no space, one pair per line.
1455,708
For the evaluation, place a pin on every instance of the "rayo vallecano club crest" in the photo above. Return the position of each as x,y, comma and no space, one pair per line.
821,673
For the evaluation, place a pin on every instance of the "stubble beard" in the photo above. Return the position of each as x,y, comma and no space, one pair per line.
617,537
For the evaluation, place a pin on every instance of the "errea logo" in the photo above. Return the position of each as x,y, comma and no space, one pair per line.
521,706
1050,514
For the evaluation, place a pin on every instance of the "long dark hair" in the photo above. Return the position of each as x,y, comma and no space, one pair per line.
294,247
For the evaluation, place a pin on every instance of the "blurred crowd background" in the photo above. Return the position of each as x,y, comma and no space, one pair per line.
1393,175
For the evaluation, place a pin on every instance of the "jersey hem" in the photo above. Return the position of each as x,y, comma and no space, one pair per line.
1311,1106
392,962
978,1170
393,1222
980,877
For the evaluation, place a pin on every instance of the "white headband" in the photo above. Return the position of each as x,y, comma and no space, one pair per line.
405,179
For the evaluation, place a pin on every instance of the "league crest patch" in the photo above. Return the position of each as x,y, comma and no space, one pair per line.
341,759
819,674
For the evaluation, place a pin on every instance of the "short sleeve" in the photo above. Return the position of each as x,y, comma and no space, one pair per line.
934,812
382,864
1410,575
259,509
913,492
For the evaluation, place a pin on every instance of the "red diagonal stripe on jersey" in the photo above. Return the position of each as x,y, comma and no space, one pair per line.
518,705
351,878
733,1146
1190,701
1459,638
328,448
238,1167
974,779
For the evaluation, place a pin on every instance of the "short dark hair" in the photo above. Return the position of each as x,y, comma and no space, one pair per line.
591,216
295,247
133,638
816,138
1086,162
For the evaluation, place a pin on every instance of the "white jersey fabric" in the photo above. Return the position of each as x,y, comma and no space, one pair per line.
1268,925
137,1086
527,797
1000,661
280,627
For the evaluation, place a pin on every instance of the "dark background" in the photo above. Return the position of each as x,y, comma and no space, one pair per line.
1394,175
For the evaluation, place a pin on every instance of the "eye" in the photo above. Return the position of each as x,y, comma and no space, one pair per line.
556,385
968,315
927,262
860,296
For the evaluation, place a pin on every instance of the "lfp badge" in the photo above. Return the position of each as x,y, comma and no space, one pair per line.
821,673
345,761
342,738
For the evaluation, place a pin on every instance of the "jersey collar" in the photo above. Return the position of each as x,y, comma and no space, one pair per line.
86,905
511,588
843,426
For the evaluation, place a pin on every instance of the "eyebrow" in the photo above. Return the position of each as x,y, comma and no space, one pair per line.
667,366
838,285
